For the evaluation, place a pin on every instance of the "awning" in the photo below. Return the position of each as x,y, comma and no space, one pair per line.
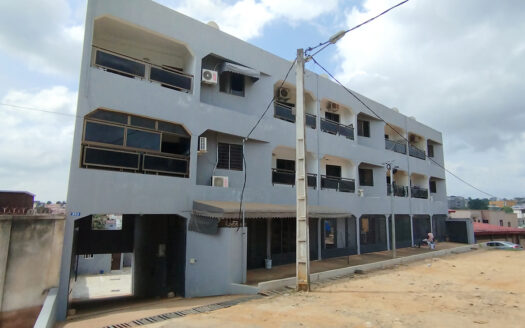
230,210
243,70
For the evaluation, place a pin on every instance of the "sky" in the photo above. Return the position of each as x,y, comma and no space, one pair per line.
457,66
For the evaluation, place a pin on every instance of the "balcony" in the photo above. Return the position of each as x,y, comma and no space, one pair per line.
114,158
335,128
287,177
416,152
418,192
399,191
134,68
285,112
398,147
339,184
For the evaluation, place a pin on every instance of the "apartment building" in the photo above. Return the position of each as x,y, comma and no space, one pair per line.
164,105
494,217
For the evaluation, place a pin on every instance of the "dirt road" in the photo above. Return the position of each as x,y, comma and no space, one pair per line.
477,289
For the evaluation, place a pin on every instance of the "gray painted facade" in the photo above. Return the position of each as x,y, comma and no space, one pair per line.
154,35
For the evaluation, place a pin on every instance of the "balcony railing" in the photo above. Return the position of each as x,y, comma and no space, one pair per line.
335,128
287,177
399,191
339,184
416,152
135,68
418,192
398,147
286,113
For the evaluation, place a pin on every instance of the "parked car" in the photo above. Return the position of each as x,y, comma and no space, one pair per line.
502,245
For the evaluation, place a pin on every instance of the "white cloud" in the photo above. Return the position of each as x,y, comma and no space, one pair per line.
36,146
44,35
246,19
456,66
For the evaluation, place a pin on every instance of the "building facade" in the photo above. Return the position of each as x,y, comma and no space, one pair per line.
164,105
498,218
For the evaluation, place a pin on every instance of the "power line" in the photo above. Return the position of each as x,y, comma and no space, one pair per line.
253,129
370,109
341,34
18,107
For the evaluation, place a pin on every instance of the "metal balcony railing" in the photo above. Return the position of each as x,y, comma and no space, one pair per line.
286,113
399,191
418,192
339,184
398,147
280,176
131,67
416,152
335,128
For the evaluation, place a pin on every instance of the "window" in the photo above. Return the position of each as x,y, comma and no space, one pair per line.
501,223
332,117
143,139
333,171
286,164
229,157
232,83
508,224
430,149
366,177
104,133
433,188
363,128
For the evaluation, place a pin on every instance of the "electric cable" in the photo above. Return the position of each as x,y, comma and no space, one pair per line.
341,34
18,107
250,133
404,138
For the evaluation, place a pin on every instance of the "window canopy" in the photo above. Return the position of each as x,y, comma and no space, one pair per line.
238,69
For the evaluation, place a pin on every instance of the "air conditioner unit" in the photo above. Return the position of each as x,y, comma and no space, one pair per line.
218,181
283,93
332,107
203,145
209,76
360,192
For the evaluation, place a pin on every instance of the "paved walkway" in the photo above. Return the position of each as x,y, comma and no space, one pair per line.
255,276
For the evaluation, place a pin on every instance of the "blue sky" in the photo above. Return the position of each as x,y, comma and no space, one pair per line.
457,66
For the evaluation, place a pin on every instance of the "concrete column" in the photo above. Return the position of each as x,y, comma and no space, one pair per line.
269,239
358,235
387,233
5,238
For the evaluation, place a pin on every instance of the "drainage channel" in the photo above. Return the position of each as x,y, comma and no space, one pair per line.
178,314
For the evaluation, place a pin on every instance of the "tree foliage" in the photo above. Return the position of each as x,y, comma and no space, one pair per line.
478,203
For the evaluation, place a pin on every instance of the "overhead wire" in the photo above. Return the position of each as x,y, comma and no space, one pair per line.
339,35
253,129
18,107
402,136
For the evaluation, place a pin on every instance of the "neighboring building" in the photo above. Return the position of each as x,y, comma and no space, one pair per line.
499,218
164,104
16,202
487,232
501,203
457,202
519,210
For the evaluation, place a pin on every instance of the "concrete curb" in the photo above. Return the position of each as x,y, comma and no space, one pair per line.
320,276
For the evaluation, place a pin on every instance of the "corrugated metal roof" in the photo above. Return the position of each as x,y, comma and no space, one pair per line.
490,229
230,210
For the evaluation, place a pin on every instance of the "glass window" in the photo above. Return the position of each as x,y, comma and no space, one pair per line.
143,139
104,133
363,128
232,83
174,144
366,177
332,117
106,115
173,128
120,64
142,122
433,188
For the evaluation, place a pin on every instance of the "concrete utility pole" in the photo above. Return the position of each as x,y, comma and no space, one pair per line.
391,171
302,249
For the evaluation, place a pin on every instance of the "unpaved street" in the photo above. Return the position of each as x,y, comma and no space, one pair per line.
477,289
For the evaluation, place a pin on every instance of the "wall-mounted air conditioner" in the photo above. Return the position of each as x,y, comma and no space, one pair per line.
283,93
218,181
203,145
209,76
360,192
332,107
